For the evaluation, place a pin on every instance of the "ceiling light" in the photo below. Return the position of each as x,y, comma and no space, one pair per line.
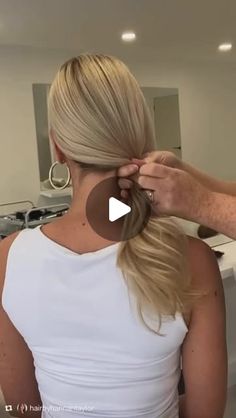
225,47
128,36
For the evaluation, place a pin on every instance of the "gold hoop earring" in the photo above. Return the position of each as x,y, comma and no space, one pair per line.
50,177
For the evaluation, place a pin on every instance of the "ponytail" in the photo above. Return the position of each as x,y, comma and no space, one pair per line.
153,262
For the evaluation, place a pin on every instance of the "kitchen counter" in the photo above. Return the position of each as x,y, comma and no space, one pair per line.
228,261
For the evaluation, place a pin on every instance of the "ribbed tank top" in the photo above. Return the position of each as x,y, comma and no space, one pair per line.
93,356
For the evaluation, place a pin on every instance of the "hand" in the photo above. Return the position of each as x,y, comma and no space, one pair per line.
175,192
162,157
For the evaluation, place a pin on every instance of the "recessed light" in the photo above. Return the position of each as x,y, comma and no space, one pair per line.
227,46
128,36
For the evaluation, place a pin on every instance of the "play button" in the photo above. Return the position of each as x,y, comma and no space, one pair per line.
117,209
111,217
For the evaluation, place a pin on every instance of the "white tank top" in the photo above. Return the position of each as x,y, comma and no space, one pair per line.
93,356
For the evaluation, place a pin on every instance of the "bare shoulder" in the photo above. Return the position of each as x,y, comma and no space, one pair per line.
198,247
203,264
5,246
204,351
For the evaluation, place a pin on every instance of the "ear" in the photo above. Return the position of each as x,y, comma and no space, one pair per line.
59,154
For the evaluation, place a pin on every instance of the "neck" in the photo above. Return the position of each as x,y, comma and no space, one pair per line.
86,226
96,189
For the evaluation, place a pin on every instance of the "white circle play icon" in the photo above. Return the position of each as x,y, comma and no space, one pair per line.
111,217
117,209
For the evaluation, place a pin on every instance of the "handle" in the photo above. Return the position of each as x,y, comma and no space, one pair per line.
177,148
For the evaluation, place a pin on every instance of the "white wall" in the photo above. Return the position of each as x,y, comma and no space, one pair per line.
207,98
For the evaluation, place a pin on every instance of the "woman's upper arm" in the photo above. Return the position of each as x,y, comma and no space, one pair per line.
204,349
17,373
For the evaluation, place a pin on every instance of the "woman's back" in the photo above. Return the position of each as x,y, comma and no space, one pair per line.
91,351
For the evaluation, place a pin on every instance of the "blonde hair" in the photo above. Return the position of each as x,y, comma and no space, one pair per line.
100,119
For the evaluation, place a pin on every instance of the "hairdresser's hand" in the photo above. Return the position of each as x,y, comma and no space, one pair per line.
165,158
175,192
162,157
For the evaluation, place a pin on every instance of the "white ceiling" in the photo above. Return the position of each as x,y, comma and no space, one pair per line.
176,29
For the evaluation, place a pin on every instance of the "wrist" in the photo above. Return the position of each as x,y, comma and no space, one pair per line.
207,204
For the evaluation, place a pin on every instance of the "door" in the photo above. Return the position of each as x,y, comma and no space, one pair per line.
167,124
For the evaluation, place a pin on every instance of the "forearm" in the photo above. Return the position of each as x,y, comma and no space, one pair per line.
217,211
211,183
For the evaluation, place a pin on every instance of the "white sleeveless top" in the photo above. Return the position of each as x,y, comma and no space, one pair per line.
93,356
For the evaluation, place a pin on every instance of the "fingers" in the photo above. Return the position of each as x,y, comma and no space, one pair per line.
124,194
155,156
145,175
149,176
127,170
131,171
148,183
125,183
138,162
155,170
151,157
166,158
